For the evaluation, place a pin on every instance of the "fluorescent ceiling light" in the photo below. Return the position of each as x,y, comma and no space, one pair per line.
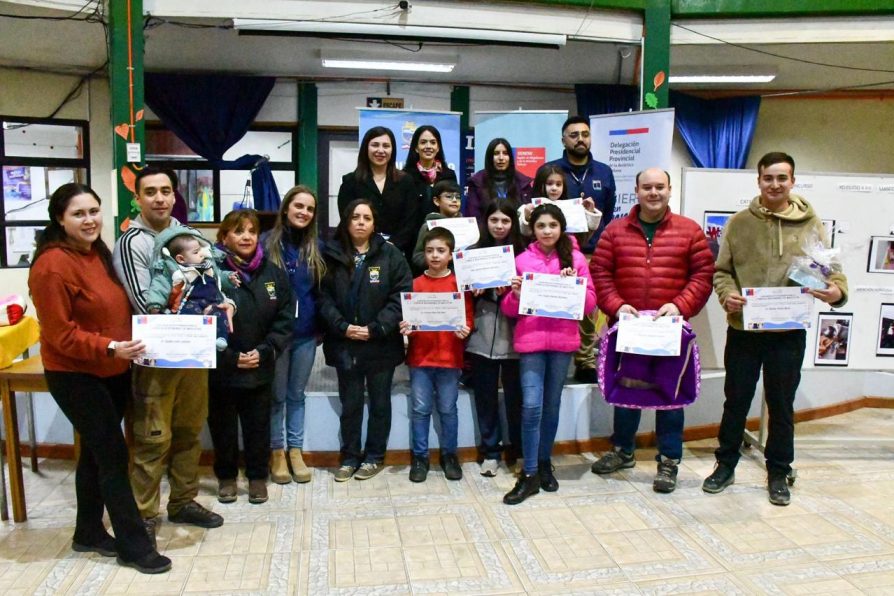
720,79
379,30
367,64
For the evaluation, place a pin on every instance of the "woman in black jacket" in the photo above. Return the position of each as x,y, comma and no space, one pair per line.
360,311
241,386
427,165
390,191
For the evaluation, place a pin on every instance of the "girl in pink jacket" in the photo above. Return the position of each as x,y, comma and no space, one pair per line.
545,346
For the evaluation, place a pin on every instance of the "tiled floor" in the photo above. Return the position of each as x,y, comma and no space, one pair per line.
597,535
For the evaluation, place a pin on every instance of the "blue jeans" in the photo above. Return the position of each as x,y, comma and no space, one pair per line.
429,384
293,369
542,377
668,430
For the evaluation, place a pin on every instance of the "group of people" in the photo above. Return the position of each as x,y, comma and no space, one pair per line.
278,294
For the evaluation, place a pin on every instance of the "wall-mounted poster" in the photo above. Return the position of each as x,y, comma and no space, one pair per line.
881,255
832,332
16,183
713,228
885,343
829,226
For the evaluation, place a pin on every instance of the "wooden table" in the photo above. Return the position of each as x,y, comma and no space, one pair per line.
26,375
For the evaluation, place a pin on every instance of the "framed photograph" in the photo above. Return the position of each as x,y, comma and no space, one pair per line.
881,255
885,344
829,226
832,333
713,228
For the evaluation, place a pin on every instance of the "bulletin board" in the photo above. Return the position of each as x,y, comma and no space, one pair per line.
858,210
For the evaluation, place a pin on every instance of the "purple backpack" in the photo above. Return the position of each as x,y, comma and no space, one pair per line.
650,382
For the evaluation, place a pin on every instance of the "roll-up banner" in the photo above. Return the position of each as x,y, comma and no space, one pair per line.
535,136
630,142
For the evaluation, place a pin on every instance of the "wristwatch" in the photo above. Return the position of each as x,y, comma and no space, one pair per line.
110,350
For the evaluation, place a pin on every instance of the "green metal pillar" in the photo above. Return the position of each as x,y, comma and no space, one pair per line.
656,54
126,83
459,102
308,168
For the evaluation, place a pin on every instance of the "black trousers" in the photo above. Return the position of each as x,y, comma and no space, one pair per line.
351,385
228,408
95,407
486,375
781,355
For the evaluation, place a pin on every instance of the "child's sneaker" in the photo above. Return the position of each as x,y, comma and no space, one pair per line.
368,470
489,467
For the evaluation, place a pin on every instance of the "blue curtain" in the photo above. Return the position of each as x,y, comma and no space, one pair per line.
718,132
210,113
595,99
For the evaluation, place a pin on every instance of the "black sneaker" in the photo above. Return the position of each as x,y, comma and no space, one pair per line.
777,486
151,563
548,480
666,478
451,467
613,461
720,478
524,488
418,469
105,547
194,514
585,375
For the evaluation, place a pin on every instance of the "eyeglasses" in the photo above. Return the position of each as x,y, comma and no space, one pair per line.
451,196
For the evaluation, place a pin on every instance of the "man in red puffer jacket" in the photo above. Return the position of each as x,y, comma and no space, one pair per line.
651,260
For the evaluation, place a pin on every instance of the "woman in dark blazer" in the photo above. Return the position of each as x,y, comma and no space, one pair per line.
391,192
427,165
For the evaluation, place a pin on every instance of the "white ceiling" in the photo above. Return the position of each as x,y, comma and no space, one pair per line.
81,46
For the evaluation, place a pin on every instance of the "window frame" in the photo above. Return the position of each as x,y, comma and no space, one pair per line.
77,163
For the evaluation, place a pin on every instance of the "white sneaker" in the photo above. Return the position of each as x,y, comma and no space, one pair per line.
489,467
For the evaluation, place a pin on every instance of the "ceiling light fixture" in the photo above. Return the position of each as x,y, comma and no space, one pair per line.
405,32
721,79
368,64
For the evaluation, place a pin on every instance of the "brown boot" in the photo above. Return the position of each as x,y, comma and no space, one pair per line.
300,472
257,491
279,470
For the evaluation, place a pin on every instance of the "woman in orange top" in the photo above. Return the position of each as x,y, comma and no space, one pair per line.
86,352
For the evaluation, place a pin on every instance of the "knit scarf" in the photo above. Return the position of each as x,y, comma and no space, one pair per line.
429,174
245,268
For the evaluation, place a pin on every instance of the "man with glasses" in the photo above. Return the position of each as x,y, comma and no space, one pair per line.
586,178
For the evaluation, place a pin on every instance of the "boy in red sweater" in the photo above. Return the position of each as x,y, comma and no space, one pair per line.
435,359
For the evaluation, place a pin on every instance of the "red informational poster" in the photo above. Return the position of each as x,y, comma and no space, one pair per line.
528,159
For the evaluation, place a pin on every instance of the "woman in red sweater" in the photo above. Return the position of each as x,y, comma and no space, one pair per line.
86,352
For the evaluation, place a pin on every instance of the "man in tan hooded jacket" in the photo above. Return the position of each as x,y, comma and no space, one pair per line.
758,246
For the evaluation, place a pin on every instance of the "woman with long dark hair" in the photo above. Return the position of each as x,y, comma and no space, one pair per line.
360,310
294,246
498,182
86,350
427,165
390,191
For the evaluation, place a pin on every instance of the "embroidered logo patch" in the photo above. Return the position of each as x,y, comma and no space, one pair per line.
597,184
374,275
271,289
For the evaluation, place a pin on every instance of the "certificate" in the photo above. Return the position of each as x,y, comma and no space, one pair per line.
649,336
434,311
482,268
465,230
177,341
572,209
777,308
554,296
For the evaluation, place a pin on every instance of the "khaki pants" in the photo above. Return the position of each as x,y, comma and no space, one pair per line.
170,408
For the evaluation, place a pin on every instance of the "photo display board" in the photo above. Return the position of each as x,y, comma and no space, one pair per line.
859,210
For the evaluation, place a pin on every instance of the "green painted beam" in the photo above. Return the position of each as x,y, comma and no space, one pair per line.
460,102
126,90
308,167
656,54
774,8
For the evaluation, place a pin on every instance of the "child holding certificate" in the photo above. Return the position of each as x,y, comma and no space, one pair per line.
447,197
545,347
435,360
549,182
493,359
